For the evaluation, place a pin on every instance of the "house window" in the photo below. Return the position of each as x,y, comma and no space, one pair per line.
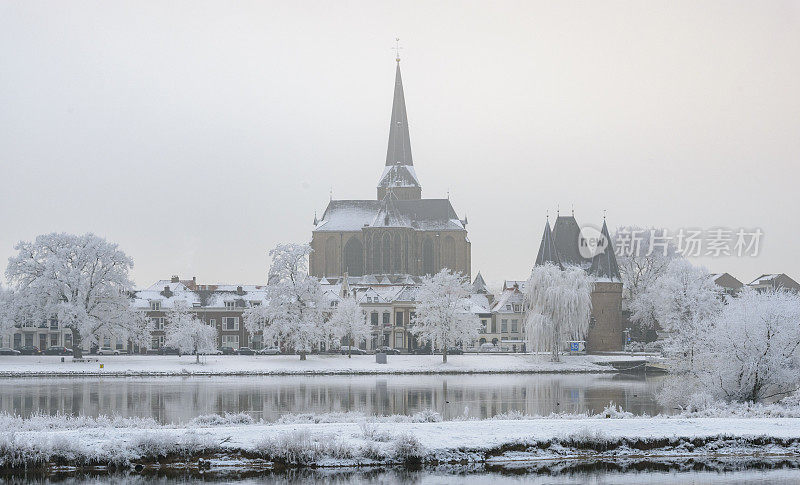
386,317
230,323
504,326
411,317
106,341
158,323
369,299
53,339
494,326
398,340
514,325
212,322
517,308
157,342
230,305
53,324
483,327
398,319
373,318
334,304
508,308
230,341
68,340
155,306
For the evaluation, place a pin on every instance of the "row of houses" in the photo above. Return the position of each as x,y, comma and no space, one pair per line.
388,300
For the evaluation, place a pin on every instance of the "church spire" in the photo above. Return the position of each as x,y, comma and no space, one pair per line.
399,151
399,170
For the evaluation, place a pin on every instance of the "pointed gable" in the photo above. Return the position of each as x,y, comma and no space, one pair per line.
479,285
604,264
547,248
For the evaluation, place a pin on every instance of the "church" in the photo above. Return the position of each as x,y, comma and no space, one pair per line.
398,232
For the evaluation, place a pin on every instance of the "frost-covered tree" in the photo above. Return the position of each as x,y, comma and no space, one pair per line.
293,311
6,312
81,280
643,256
349,321
444,317
185,332
684,299
751,351
558,304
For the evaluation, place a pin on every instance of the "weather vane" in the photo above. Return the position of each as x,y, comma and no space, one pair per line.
397,49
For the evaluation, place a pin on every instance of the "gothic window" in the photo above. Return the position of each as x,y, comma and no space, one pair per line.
354,257
398,255
376,255
408,264
427,257
331,268
386,249
450,253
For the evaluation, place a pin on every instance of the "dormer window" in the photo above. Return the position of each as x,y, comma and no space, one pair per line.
334,304
155,306
230,305
517,308
508,308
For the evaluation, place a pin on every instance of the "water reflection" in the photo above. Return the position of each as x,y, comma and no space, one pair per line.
182,398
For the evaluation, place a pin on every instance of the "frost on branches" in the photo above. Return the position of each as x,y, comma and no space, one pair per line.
683,299
750,352
293,312
644,255
349,321
80,280
558,306
443,316
185,332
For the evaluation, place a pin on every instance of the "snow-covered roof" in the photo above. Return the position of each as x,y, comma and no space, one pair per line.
421,215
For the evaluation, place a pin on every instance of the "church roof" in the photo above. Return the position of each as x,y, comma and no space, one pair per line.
399,151
422,215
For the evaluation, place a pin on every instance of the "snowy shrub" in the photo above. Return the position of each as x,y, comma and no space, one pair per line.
615,412
300,447
39,422
229,419
426,416
407,448
595,439
371,432
511,414
371,451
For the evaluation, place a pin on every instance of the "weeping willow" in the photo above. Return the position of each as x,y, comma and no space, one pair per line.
558,304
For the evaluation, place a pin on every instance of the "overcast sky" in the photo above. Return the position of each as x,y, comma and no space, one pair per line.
197,135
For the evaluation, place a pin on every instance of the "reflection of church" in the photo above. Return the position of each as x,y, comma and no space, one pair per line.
399,232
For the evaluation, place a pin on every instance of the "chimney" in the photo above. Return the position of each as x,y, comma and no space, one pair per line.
175,279
239,290
167,292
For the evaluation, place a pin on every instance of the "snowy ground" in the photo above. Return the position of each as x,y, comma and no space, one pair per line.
155,365
383,442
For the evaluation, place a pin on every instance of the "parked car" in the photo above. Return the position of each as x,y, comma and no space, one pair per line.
387,350
425,350
8,351
269,351
227,350
344,349
455,351
107,351
246,351
169,351
30,350
56,350
488,347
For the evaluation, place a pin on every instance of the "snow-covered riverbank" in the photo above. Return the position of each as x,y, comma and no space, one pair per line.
341,441
156,365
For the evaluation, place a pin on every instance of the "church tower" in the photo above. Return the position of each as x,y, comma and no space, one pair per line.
399,171
398,235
